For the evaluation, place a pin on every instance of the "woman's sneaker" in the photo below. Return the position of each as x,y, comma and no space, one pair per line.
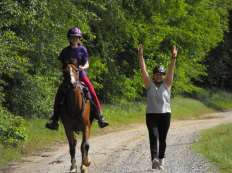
155,163
161,164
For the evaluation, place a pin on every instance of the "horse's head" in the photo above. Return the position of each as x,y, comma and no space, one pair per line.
71,74
73,89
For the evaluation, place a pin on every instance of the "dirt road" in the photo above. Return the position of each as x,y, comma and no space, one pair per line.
127,151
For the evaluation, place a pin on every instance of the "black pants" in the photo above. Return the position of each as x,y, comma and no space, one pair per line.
158,125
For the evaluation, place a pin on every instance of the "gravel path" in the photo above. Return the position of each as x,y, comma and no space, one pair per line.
128,152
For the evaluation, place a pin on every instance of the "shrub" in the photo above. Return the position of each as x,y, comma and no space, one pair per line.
35,96
12,128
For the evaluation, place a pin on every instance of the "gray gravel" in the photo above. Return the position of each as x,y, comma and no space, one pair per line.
127,151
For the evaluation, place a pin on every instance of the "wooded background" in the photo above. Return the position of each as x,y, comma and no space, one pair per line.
33,32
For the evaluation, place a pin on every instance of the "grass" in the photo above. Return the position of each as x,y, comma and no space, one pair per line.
187,108
215,144
119,116
9,154
216,99
38,138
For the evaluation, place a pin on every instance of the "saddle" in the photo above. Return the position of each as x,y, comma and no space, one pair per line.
86,95
86,92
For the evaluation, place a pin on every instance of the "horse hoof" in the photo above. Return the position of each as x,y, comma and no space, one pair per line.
87,162
84,169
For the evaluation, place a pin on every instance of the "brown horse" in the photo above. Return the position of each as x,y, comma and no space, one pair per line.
75,116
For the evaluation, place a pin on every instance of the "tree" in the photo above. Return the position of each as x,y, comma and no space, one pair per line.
219,62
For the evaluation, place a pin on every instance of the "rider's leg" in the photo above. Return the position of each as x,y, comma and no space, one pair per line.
102,123
53,124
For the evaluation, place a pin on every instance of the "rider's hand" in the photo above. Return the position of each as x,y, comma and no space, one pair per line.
81,68
174,52
140,50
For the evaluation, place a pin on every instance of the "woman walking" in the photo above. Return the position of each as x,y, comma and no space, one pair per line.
158,112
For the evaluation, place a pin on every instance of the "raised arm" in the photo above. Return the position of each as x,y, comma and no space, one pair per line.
142,64
170,72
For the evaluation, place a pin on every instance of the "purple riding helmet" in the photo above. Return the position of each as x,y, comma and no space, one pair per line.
74,32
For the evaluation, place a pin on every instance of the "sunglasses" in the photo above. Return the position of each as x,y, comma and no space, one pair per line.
75,37
161,74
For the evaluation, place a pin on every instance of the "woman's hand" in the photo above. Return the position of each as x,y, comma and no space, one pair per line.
84,67
170,72
174,52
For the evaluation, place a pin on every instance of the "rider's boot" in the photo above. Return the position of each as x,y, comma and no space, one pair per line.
53,123
101,121
98,116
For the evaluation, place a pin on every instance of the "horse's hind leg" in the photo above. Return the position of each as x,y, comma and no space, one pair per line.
72,149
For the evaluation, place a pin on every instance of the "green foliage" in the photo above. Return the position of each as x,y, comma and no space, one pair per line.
12,129
11,60
219,62
34,32
35,96
97,72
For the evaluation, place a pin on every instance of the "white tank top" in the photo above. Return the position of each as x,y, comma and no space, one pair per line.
158,99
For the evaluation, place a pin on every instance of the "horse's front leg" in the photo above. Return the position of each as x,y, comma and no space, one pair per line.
72,149
84,151
85,147
85,144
